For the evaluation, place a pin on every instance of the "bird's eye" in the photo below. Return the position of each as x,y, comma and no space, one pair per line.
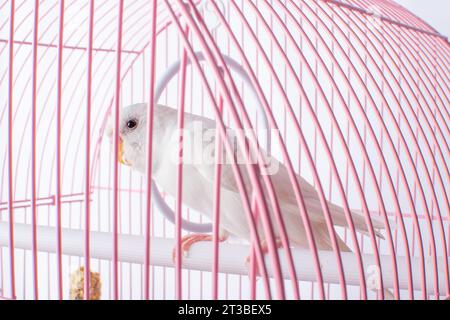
131,124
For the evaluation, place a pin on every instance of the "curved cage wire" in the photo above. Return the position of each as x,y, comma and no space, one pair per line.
351,95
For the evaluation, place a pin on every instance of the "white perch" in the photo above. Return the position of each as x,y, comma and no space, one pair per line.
232,256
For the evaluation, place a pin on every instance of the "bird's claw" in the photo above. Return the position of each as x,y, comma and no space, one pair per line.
187,242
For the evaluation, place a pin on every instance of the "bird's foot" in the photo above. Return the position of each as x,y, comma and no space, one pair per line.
264,250
188,240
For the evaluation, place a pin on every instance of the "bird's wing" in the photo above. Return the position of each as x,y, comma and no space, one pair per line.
280,180
205,153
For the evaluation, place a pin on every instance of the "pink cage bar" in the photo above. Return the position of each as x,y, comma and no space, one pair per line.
353,95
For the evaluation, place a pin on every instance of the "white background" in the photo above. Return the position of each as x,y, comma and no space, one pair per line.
435,12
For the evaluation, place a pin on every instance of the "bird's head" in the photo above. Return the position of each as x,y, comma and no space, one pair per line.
132,135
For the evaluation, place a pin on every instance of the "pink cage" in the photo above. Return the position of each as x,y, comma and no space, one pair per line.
351,95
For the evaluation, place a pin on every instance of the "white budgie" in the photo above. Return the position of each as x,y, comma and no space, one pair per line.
198,180
198,177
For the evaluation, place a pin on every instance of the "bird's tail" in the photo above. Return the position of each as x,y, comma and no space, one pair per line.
359,221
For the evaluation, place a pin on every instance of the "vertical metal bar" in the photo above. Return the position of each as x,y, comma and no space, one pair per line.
141,185
116,151
149,159
253,268
10,152
87,177
58,150
130,192
179,196
166,97
34,252
187,209
216,208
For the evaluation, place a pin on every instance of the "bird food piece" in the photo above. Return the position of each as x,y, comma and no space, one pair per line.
77,285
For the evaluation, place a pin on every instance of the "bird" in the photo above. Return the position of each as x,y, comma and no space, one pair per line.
199,173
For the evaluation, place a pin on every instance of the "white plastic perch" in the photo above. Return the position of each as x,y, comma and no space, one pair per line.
232,256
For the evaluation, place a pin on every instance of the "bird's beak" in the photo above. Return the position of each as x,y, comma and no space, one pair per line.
120,153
